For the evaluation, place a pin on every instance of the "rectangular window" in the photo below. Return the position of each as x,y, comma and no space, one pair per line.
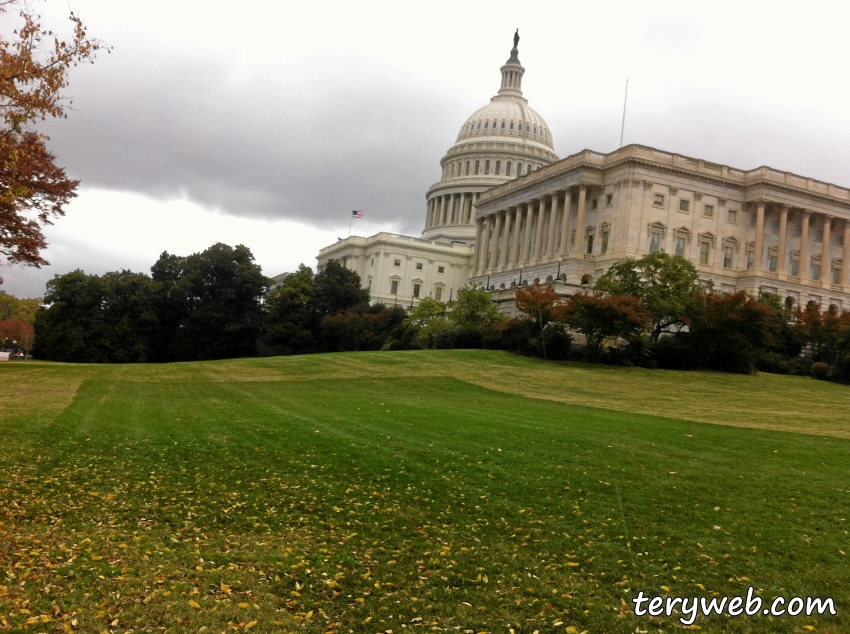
753,219
609,199
819,235
732,215
815,271
708,211
394,287
795,268
680,246
589,244
728,254
836,275
704,250
604,242
654,241
441,269
751,258
369,284
396,262
416,290
775,226
684,205
594,204
659,199
839,239
419,266
508,169
438,293
798,230
772,260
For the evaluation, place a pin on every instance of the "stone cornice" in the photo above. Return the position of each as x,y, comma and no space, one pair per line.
636,155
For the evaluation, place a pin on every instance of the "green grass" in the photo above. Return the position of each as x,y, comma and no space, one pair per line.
395,491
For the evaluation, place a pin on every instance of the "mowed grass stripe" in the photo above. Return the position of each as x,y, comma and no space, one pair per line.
403,486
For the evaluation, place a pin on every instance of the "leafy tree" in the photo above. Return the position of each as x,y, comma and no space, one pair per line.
337,289
664,283
17,332
603,318
474,308
22,309
728,332
34,67
819,330
93,319
210,303
291,319
540,305
537,302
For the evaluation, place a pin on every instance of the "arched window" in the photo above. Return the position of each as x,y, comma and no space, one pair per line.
479,125
453,170
486,124
467,168
535,130
503,124
486,167
528,169
508,169
494,124
519,169
477,164
498,167
512,125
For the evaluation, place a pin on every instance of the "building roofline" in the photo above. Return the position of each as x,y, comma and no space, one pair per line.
668,161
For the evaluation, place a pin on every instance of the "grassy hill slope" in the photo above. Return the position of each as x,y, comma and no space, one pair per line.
433,490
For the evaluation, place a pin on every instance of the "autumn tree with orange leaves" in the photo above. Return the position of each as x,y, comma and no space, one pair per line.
34,68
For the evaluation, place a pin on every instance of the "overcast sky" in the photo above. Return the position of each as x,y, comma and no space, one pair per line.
266,123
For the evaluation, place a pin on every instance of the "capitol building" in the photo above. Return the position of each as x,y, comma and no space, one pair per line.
508,212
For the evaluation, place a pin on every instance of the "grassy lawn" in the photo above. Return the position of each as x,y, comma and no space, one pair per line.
461,491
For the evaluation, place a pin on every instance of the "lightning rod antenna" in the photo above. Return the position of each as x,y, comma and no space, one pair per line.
625,100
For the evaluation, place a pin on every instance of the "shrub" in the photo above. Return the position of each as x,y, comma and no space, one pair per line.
820,370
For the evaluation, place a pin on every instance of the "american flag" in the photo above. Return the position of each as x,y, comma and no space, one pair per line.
357,213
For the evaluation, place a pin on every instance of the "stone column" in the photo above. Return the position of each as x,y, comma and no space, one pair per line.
759,245
462,219
825,262
526,241
441,215
783,237
473,200
515,242
538,235
804,248
485,245
476,249
553,223
578,247
494,246
565,222
503,253
845,254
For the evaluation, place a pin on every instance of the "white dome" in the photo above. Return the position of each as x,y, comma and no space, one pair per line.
509,118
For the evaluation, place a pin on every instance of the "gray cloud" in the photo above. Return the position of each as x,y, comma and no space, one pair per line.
309,142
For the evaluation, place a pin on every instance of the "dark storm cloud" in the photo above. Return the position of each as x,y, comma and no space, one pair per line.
308,141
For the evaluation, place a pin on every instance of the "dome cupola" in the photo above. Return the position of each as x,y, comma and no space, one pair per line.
499,142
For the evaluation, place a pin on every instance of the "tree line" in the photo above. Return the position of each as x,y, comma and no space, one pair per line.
216,304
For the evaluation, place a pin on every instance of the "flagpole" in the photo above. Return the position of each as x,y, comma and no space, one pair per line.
350,223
